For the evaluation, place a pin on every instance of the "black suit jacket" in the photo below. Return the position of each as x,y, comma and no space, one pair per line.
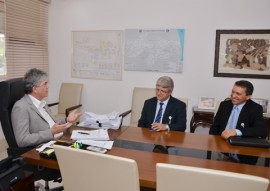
175,108
250,121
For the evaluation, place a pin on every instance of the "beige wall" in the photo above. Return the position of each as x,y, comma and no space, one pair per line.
200,19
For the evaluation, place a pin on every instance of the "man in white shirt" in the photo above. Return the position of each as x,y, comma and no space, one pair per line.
32,120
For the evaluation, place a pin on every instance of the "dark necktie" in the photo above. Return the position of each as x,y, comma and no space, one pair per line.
159,114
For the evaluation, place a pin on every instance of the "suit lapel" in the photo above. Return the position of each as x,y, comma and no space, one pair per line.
153,109
241,118
33,107
228,111
49,112
167,111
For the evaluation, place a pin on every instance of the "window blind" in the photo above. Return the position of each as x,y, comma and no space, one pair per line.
2,17
26,36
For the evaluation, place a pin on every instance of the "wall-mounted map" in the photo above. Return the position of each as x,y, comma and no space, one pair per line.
154,50
97,54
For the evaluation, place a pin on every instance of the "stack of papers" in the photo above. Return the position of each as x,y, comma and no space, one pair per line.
98,138
105,121
100,134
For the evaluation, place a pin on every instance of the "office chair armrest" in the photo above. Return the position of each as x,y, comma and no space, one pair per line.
124,114
72,108
52,104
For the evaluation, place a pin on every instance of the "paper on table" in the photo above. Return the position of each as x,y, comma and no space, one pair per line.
45,145
102,144
100,134
104,121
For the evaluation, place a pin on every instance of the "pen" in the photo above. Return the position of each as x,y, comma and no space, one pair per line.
84,133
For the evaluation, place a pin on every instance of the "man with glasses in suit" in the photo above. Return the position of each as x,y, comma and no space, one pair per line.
163,112
32,120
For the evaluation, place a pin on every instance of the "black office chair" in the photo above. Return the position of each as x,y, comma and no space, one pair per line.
11,91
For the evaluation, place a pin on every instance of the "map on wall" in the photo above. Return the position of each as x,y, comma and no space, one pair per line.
154,50
97,54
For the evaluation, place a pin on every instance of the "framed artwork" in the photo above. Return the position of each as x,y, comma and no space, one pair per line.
263,103
242,54
207,103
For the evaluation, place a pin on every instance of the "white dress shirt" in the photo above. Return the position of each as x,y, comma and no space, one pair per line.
40,105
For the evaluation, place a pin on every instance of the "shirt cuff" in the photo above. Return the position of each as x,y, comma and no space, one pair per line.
238,132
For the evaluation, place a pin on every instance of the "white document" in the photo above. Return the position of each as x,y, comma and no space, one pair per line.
101,144
45,145
100,134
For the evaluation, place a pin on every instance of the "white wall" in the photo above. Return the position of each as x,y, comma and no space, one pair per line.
200,19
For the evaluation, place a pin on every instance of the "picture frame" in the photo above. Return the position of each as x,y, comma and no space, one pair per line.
264,103
242,54
207,102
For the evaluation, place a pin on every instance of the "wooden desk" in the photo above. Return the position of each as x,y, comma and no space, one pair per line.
147,160
32,157
189,141
147,164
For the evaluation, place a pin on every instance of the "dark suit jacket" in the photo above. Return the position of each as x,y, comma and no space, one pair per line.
175,108
250,121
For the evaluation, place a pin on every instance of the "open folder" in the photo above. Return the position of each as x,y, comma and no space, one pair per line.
249,141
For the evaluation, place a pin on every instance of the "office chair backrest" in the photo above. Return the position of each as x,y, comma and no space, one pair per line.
138,98
172,177
185,100
86,170
10,91
70,95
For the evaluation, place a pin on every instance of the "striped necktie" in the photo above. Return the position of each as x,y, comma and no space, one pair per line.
159,114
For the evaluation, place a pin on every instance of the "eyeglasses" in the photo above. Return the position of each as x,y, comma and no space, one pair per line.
158,90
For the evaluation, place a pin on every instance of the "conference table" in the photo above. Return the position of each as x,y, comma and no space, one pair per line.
145,147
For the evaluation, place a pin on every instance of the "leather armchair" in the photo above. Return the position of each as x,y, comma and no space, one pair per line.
11,91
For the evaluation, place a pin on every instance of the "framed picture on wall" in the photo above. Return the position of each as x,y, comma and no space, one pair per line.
242,54
263,103
207,103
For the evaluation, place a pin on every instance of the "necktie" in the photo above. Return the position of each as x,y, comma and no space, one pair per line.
233,118
159,114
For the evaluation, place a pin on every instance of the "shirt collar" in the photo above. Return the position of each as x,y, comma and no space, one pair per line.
36,102
240,106
164,102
